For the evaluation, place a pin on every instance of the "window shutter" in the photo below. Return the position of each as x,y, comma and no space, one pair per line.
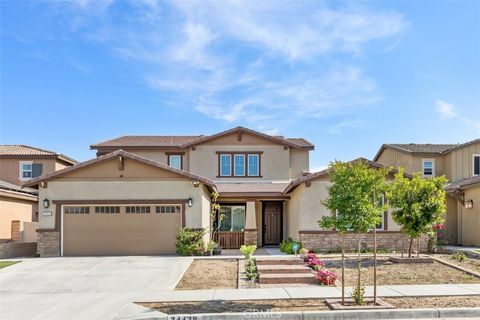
37,169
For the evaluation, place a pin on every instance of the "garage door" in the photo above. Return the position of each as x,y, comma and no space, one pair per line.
120,229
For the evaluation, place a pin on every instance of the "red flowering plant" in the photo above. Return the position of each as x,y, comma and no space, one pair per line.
438,226
326,277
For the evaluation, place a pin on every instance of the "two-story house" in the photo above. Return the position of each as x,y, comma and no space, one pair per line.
460,163
19,164
134,195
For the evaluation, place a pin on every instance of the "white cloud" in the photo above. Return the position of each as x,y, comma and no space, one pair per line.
347,124
447,111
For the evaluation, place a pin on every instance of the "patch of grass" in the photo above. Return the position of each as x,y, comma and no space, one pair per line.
4,264
477,250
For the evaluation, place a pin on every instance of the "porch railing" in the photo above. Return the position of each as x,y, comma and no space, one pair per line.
229,239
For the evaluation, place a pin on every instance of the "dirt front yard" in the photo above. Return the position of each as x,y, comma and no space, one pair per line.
389,273
467,263
210,274
221,306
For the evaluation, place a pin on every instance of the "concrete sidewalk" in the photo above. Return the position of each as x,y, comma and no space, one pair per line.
308,292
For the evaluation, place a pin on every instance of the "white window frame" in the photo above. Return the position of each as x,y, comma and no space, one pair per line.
230,165
172,156
253,155
235,165
473,164
433,167
20,169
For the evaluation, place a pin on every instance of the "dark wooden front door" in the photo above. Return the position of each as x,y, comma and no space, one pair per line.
272,222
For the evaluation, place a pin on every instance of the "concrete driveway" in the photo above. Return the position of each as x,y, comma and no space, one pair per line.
83,287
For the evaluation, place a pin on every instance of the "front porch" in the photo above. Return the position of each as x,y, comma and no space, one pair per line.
256,222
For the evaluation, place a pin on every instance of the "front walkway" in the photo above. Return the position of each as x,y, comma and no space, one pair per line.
262,251
472,251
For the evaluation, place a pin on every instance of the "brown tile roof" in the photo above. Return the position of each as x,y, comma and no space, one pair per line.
261,187
423,148
186,141
463,184
16,150
148,141
323,173
36,181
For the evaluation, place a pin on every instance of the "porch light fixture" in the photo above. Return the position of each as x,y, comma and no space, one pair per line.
190,202
196,183
46,203
469,204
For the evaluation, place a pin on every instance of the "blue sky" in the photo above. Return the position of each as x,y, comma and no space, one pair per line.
348,76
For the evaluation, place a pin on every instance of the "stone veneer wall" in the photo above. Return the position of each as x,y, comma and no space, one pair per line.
48,243
326,241
13,250
250,236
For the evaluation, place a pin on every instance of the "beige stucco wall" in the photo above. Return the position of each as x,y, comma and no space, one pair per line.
462,161
451,220
299,162
305,208
10,168
471,218
14,208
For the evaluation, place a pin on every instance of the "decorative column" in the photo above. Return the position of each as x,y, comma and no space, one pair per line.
250,232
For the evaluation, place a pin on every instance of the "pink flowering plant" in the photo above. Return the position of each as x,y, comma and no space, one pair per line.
313,262
326,277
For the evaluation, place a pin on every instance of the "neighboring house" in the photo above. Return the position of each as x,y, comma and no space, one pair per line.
19,164
460,163
139,189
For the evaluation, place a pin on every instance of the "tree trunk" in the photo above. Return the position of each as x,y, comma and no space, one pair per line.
374,266
358,262
343,269
418,247
410,248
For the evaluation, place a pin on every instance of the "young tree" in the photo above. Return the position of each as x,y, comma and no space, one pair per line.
215,215
353,198
418,203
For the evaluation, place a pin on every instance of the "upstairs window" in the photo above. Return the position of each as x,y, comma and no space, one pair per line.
175,161
476,164
225,165
428,167
253,165
29,170
239,169
25,170
239,164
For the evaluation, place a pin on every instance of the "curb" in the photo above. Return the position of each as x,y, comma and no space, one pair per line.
333,315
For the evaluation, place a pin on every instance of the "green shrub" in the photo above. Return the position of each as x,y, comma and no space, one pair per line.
251,270
248,251
459,256
358,295
190,242
287,246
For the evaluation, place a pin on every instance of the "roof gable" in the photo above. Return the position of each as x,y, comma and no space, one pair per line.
103,166
239,132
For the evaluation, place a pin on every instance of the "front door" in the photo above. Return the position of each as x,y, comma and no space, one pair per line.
272,222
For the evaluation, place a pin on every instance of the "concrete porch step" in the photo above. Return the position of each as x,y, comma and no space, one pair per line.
281,269
287,278
279,261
